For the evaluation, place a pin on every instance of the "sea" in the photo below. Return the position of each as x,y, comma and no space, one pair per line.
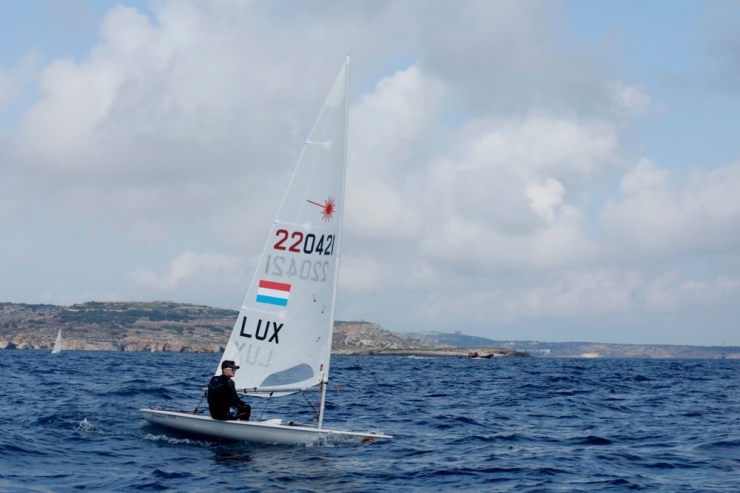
71,422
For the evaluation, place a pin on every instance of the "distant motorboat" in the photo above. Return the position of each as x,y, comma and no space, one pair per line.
475,355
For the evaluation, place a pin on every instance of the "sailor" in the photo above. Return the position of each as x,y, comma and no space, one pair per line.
222,396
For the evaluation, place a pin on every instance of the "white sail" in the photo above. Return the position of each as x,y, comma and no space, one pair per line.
282,337
58,344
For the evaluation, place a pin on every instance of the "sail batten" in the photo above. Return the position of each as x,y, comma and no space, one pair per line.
282,337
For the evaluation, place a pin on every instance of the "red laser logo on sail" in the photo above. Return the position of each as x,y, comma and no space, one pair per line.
329,207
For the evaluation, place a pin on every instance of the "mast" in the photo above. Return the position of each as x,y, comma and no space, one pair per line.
325,376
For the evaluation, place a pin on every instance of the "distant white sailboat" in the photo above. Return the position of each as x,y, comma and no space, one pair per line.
58,344
282,336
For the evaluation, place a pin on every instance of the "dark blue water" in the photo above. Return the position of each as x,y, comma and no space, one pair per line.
72,422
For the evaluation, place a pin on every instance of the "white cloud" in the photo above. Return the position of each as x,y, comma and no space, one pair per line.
669,291
387,126
660,214
494,199
480,154
545,198
500,202
191,269
573,293
189,118
505,58
371,273
632,100
13,80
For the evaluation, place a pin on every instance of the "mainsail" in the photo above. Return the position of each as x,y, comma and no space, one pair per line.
58,344
282,337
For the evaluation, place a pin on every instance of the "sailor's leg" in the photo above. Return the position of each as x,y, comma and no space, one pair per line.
244,412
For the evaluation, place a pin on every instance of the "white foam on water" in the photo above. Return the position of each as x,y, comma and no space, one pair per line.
172,441
88,427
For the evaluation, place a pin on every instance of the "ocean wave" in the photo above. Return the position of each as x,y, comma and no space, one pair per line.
524,425
174,441
88,427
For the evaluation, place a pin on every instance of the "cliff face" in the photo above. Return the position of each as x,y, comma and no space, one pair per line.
368,338
41,338
354,336
155,327
175,327
95,326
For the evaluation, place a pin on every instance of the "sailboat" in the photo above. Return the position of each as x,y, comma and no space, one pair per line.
282,336
58,344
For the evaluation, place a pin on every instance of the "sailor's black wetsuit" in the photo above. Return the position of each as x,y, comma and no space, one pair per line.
222,397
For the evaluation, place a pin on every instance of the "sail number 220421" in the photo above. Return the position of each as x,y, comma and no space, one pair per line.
308,270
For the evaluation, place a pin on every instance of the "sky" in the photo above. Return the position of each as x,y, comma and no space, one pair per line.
520,170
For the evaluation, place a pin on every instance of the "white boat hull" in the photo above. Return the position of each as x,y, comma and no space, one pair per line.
252,431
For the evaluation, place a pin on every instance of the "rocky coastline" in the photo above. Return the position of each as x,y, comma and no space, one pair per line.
179,327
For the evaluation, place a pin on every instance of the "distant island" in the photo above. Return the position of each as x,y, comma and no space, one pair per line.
181,327
585,349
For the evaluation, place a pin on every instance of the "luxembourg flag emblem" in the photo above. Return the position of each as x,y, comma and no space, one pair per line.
273,293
